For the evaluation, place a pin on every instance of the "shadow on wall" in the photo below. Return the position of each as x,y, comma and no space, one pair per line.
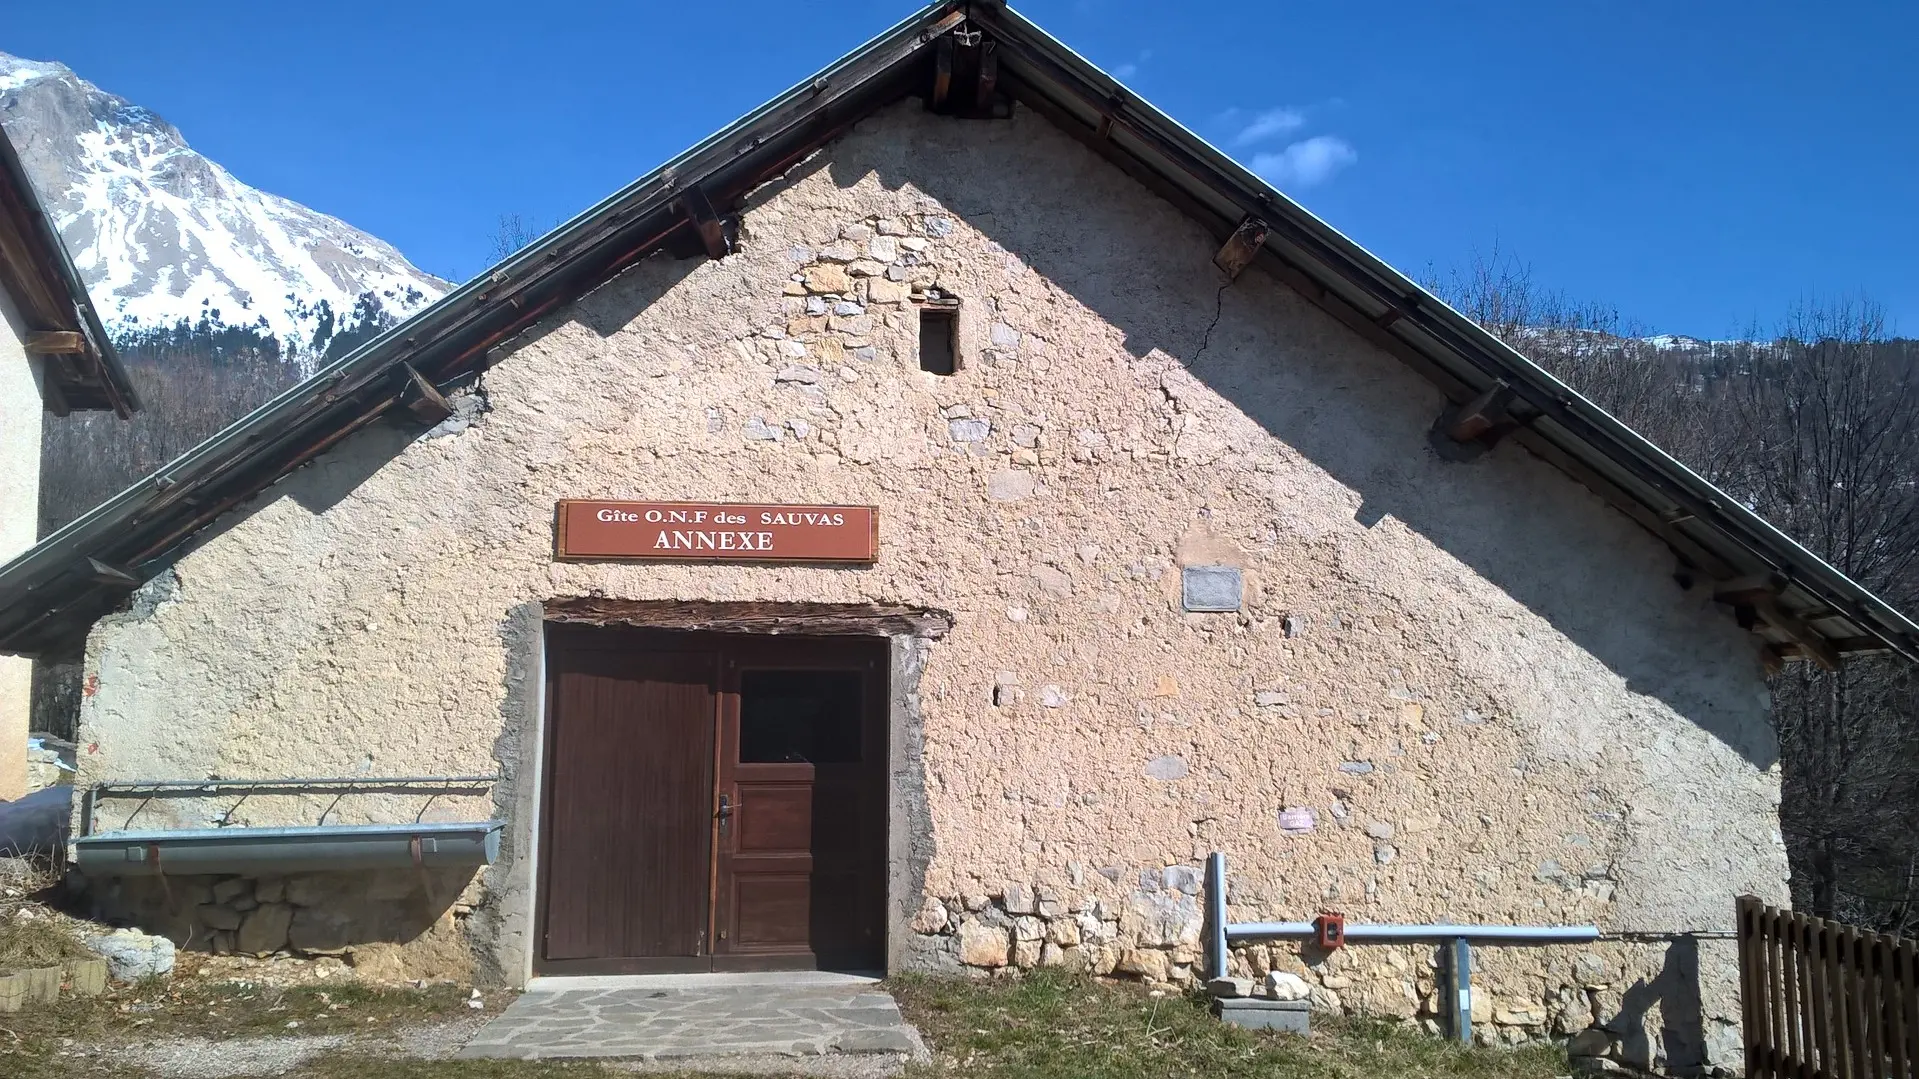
1676,1041
358,915
1350,410
1347,408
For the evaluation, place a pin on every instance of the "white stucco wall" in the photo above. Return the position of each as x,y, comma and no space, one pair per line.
20,419
1494,698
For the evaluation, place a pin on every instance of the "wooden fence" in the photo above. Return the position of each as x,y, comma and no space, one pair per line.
1823,1000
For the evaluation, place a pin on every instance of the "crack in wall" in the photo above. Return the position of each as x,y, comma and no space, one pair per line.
1206,339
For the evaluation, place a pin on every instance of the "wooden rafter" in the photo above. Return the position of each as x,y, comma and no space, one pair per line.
1480,416
942,72
422,398
1242,246
1746,589
988,79
707,223
1810,641
56,342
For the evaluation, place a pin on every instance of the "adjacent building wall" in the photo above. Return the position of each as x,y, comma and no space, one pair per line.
20,418
1467,692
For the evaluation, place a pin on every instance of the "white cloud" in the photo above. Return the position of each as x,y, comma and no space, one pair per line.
1269,123
1131,68
1307,162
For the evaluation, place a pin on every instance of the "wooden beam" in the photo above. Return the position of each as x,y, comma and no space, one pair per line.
1242,247
942,72
423,399
56,342
711,229
1748,588
1773,656
31,282
754,616
1810,642
1474,419
1848,645
988,79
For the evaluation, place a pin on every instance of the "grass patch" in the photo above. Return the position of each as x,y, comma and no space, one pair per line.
51,1041
28,942
1055,1027
1042,1026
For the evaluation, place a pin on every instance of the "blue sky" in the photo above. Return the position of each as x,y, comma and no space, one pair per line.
1699,165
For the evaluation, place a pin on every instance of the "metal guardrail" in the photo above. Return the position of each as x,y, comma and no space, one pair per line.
345,785
1221,934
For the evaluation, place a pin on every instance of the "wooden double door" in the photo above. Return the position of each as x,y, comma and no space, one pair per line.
712,802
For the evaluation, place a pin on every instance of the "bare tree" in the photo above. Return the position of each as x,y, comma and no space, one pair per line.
514,234
1661,392
1825,429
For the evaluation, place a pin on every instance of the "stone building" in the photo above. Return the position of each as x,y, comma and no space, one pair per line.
910,530
54,357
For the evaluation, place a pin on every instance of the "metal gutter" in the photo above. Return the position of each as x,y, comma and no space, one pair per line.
279,851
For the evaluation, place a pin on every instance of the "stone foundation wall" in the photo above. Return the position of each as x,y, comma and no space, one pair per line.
1148,927
1613,1003
408,922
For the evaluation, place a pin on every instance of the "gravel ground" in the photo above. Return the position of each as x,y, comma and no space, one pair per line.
204,1058
822,1066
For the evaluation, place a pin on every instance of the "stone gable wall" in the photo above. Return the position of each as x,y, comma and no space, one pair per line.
1466,692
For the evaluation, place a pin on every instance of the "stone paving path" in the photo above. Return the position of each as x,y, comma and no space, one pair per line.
644,1023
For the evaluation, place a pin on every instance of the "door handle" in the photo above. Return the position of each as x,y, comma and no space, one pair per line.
726,812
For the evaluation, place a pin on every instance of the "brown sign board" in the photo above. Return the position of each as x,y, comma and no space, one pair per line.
586,529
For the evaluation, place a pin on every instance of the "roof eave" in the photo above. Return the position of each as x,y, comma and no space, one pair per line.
84,566
1704,526
95,376
1459,355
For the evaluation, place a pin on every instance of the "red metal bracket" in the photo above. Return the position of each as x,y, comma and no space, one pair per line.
1329,930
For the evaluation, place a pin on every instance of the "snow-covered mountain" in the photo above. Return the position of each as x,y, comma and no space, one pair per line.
161,234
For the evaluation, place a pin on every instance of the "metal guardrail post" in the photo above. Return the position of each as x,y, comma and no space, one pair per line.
1215,915
1455,936
1462,968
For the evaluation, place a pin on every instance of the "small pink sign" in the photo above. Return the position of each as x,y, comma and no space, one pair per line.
1297,820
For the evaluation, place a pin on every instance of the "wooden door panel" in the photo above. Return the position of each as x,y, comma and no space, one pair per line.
774,817
773,911
645,735
627,857
803,760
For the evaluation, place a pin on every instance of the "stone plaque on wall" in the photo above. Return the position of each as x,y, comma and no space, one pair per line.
589,530
1209,588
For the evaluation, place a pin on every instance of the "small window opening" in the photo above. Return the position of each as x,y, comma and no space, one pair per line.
939,336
